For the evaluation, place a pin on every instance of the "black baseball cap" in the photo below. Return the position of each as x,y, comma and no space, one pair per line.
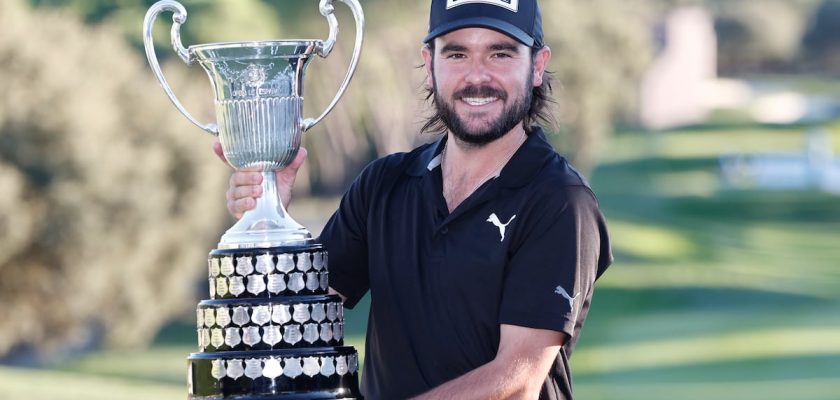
519,19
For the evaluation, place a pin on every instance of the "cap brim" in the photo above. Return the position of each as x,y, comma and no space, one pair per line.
482,22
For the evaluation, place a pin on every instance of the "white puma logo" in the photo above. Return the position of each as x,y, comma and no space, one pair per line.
493,219
565,294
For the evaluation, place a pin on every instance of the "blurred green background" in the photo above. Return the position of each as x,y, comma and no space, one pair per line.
708,128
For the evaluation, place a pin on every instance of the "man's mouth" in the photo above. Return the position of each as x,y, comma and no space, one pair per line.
479,101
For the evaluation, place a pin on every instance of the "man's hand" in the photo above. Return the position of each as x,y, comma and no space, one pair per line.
245,185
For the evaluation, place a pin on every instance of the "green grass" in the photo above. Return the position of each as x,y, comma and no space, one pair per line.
715,293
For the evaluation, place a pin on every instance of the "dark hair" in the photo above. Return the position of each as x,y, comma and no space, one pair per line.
540,112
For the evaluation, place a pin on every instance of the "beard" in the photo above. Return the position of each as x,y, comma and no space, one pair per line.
492,130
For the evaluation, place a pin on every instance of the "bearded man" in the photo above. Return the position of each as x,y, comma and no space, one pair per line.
481,250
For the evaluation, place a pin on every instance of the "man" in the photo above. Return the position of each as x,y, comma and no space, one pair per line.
480,250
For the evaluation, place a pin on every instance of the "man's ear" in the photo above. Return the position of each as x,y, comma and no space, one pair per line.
540,64
426,52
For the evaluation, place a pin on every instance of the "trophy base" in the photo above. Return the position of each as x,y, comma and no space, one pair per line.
265,238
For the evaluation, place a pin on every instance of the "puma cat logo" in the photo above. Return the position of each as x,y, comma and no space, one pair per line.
559,290
493,219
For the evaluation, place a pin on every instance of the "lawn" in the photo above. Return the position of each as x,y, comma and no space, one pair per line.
715,293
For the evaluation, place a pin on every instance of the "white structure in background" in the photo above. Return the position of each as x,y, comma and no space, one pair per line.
674,89
815,168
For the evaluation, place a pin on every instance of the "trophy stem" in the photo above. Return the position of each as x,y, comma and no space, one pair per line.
267,225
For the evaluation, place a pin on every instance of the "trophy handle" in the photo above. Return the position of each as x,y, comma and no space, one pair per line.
327,10
179,16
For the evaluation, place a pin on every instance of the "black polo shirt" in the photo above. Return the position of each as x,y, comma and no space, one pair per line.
524,249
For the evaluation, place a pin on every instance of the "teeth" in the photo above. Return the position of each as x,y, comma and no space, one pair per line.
478,101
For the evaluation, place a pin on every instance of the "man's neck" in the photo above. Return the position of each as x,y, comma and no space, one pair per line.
466,166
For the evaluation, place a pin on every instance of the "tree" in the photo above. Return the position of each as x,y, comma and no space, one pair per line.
110,200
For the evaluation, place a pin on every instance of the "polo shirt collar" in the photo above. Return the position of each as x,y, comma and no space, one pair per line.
525,163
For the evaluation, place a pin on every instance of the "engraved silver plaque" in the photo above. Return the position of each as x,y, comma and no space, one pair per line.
221,286
218,370
201,343
326,332
265,264
232,337
199,318
223,316
328,366
276,284
340,308
310,333
312,281
318,312
325,283
216,337
296,282
318,260
285,263
292,368
341,365
280,313
212,282
304,264
240,315
261,315
291,334
272,368
226,266
244,266
237,285
353,363
256,284
301,313
332,311
209,318
311,366
338,330
271,335
251,335
205,336
214,267
235,369
253,368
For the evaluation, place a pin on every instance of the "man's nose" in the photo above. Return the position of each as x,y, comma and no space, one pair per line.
477,73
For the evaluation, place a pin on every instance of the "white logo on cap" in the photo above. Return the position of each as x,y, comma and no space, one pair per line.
512,5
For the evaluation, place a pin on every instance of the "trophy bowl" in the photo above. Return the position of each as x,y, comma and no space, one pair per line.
258,89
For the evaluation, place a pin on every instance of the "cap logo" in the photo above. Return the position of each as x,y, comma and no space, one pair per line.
512,5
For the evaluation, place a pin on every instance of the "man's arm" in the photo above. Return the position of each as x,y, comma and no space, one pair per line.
521,365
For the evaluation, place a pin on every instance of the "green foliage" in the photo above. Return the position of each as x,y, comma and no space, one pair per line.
110,201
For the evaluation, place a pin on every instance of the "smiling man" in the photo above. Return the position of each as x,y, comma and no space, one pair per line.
480,250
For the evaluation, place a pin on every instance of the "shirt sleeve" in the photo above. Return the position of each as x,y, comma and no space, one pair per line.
560,252
345,239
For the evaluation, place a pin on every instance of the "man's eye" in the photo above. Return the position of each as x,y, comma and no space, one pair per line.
455,56
502,55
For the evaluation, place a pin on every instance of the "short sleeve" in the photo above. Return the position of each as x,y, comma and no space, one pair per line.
345,239
561,251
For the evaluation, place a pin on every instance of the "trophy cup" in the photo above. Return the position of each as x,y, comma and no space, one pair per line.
270,329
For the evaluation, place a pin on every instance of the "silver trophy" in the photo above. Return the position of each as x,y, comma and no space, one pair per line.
259,100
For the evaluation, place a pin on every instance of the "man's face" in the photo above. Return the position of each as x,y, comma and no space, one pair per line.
482,82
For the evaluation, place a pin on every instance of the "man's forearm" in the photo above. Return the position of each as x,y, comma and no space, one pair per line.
491,381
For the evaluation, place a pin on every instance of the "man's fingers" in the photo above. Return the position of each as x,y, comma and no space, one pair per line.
245,178
241,192
238,207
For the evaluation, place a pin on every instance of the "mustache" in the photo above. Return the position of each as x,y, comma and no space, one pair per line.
480,91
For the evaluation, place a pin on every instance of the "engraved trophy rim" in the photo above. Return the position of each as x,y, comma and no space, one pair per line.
257,44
